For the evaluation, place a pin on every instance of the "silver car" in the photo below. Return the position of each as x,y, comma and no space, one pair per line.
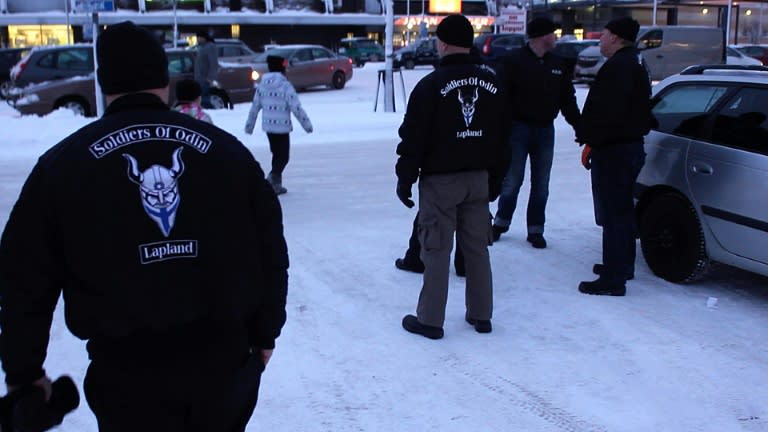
700,194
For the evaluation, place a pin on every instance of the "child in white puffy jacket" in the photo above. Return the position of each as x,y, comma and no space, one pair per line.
278,99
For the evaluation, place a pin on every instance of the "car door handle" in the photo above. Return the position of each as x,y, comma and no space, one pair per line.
701,168
659,56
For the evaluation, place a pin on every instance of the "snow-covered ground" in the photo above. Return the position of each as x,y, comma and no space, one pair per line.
658,359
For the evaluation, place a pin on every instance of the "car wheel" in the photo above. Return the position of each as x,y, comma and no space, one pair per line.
672,239
77,106
219,101
338,80
4,88
410,64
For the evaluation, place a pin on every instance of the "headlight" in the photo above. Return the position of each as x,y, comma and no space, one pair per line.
215,83
398,57
255,76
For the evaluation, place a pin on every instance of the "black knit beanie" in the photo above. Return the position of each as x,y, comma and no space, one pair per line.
624,27
275,63
540,26
188,90
130,59
456,30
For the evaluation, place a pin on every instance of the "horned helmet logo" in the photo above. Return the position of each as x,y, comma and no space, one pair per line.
159,189
467,100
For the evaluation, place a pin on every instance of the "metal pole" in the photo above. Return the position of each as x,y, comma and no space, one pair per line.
655,8
175,25
389,88
728,22
99,95
66,9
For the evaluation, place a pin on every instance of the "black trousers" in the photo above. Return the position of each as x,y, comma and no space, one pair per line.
183,397
279,145
413,253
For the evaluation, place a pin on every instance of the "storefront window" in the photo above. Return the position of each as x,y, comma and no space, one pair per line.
36,35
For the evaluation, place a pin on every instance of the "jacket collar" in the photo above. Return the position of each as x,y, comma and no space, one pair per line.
456,59
136,101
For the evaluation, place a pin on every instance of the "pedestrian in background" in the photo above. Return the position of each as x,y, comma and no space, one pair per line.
538,85
188,99
616,117
276,96
168,245
451,142
206,66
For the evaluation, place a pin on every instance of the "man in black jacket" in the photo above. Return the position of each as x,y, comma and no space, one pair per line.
451,142
168,245
617,115
538,85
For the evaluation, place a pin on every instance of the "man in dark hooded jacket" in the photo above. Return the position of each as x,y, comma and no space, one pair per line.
167,244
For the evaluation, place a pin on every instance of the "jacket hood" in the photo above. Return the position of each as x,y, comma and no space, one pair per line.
273,79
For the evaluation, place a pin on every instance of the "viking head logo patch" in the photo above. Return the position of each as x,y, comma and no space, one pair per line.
159,189
467,99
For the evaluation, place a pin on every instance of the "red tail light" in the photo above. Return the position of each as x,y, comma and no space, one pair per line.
487,46
16,70
349,60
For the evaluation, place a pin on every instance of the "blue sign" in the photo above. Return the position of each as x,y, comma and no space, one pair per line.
95,5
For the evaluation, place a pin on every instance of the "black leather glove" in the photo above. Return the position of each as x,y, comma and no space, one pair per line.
404,193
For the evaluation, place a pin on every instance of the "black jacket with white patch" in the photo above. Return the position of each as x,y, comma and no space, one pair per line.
160,231
454,123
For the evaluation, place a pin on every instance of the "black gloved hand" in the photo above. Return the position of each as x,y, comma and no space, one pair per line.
26,410
404,194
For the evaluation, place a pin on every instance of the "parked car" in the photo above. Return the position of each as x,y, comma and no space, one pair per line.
699,196
667,50
52,63
570,49
235,84
8,58
310,66
736,57
493,46
361,50
759,52
234,51
419,52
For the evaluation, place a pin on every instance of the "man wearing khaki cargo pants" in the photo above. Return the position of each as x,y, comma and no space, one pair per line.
451,141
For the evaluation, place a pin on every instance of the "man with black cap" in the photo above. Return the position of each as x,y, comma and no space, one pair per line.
168,246
452,143
616,117
538,85
206,65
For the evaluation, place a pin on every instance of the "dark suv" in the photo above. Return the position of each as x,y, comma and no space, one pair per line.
491,47
420,52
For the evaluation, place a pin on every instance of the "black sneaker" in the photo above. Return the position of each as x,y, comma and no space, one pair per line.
599,287
498,231
410,266
598,270
412,324
537,241
481,326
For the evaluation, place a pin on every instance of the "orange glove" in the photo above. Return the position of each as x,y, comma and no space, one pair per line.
586,156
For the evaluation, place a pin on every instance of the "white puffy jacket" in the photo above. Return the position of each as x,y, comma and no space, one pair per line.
277,97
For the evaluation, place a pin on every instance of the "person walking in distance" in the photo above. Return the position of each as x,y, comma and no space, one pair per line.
206,66
451,142
616,117
168,246
538,85
276,96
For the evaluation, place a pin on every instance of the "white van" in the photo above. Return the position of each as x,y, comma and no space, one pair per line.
670,49
667,50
